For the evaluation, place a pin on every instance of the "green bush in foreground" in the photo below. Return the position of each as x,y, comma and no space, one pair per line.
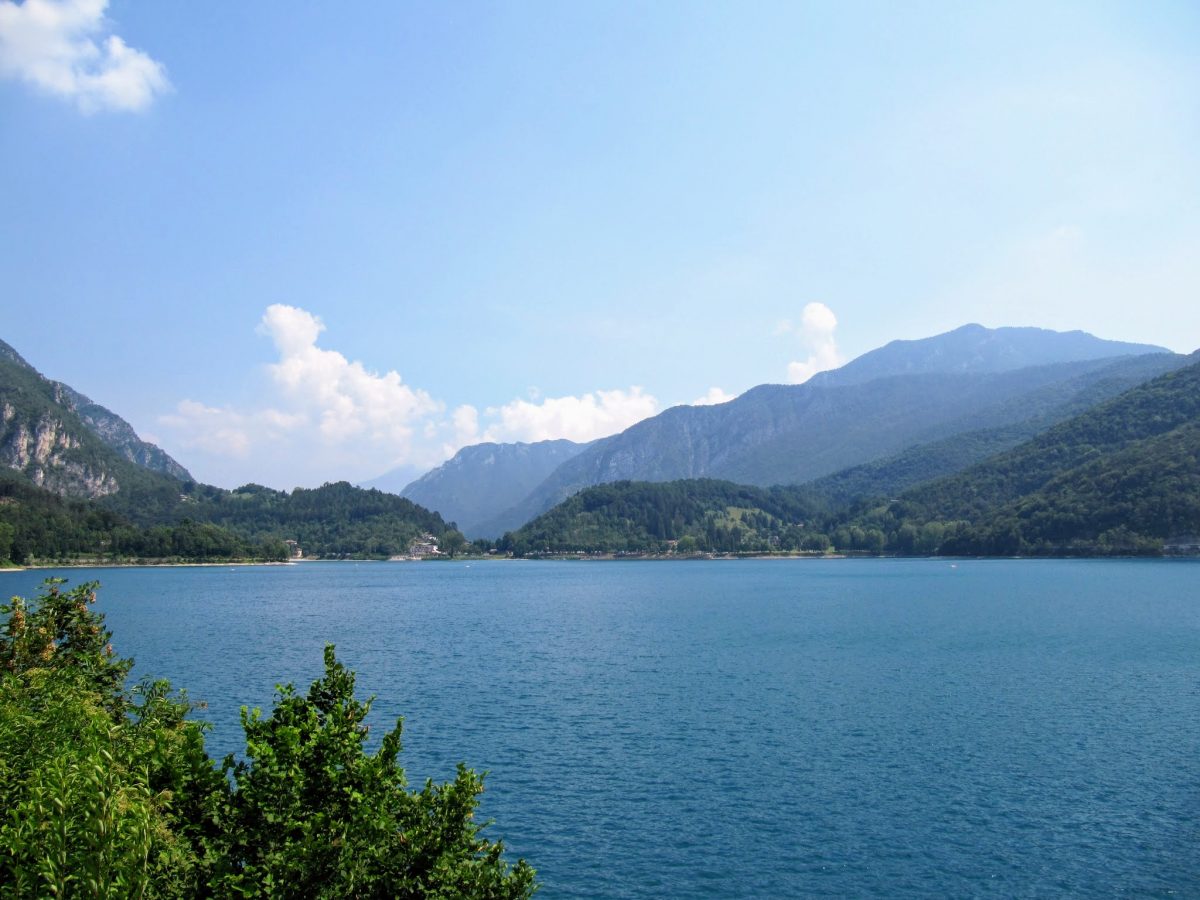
106,791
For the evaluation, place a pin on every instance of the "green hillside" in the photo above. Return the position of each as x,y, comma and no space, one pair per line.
697,515
891,476
208,523
1123,477
39,526
334,520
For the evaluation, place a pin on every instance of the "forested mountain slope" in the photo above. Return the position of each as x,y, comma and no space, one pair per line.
1121,477
125,498
680,516
788,434
892,475
39,526
333,520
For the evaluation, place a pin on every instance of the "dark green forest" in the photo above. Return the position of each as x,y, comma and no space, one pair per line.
332,521
204,523
1121,478
39,526
701,515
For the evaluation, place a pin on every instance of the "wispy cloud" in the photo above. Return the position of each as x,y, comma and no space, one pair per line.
64,47
816,332
325,416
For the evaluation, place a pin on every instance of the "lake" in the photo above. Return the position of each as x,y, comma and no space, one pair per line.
768,728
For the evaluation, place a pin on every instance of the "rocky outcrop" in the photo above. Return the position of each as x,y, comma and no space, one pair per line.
47,453
61,440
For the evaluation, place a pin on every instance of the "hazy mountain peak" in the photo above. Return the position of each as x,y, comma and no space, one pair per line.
974,348
470,486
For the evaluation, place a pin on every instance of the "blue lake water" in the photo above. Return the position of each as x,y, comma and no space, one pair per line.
745,729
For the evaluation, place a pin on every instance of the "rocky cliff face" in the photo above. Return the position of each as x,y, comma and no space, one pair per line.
46,451
62,441
118,434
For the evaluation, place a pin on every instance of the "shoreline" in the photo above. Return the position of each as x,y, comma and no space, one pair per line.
141,565
575,559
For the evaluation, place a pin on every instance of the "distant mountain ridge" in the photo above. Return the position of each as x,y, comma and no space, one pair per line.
905,394
1121,478
484,477
974,348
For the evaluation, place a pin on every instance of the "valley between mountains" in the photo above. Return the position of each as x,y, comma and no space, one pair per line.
1007,441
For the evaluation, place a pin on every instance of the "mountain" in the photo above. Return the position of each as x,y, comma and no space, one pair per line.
892,475
676,516
77,480
789,434
1123,476
119,434
974,348
64,440
333,520
50,444
476,481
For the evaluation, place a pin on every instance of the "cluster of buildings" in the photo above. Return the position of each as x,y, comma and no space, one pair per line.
424,546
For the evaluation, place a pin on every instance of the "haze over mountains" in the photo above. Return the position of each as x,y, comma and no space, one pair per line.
480,479
893,426
1002,385
1121,478
974,348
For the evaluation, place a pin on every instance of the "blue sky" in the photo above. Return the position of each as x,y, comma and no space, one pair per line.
301,242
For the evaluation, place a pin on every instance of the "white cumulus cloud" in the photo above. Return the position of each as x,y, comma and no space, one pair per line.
714,396
816,331
63,47
325,417
342,396
583,418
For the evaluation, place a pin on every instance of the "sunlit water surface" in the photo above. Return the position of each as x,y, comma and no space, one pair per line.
745,729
